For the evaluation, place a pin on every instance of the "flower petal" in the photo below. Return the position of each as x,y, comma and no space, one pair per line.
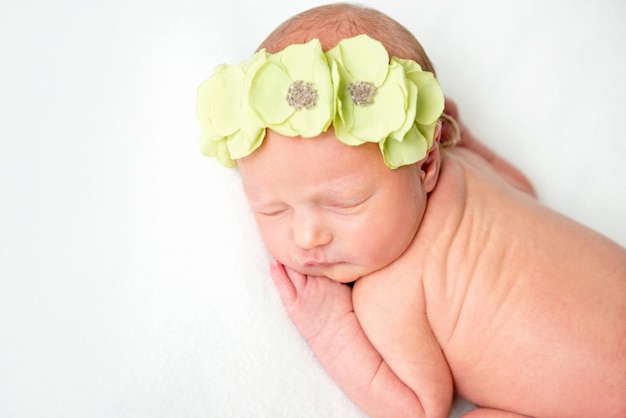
267,93
218,101
431,100
244,142
303,61
217,149
412,149
375,122
410,92
344,135
428,131
311,123
351,53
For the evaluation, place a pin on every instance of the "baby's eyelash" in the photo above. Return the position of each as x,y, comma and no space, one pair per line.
272,213
348,206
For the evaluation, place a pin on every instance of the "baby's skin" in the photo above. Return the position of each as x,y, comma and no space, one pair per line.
496,298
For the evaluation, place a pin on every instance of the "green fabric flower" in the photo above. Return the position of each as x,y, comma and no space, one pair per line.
415,144
430,100
229,130
292,93
390,111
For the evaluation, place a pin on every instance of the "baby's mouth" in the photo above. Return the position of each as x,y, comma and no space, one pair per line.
316,263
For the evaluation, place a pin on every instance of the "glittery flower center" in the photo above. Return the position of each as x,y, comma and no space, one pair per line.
362,92
302,94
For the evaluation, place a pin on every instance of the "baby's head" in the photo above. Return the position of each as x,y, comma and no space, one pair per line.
336,142
334,22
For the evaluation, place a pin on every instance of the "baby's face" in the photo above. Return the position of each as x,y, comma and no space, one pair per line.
327,209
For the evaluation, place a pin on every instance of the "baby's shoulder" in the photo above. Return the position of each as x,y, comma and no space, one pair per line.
463,167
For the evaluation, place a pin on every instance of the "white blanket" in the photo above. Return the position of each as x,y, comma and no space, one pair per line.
132,280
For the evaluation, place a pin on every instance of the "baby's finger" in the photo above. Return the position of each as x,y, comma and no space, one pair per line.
286,289
299,280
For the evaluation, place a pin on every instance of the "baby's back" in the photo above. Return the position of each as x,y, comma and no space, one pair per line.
528,306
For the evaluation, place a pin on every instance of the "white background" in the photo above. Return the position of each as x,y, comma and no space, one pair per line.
132,280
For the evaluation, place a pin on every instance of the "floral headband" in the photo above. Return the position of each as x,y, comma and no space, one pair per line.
302,91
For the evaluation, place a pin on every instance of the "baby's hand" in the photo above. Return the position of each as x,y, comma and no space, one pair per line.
320,308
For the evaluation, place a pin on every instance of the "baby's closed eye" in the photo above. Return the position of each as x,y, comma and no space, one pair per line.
271,211
347,206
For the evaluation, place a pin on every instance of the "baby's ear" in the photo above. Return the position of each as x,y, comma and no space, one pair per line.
430,167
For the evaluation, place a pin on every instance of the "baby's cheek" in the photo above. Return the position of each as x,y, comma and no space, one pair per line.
276,241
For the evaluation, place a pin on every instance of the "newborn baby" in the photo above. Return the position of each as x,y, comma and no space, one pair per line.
413,270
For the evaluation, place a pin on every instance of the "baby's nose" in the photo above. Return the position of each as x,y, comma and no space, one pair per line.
309,232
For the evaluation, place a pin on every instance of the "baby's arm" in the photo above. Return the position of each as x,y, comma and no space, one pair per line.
391,309
469,141
322,311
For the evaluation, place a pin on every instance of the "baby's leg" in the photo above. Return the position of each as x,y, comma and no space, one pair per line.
469,141
322,311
